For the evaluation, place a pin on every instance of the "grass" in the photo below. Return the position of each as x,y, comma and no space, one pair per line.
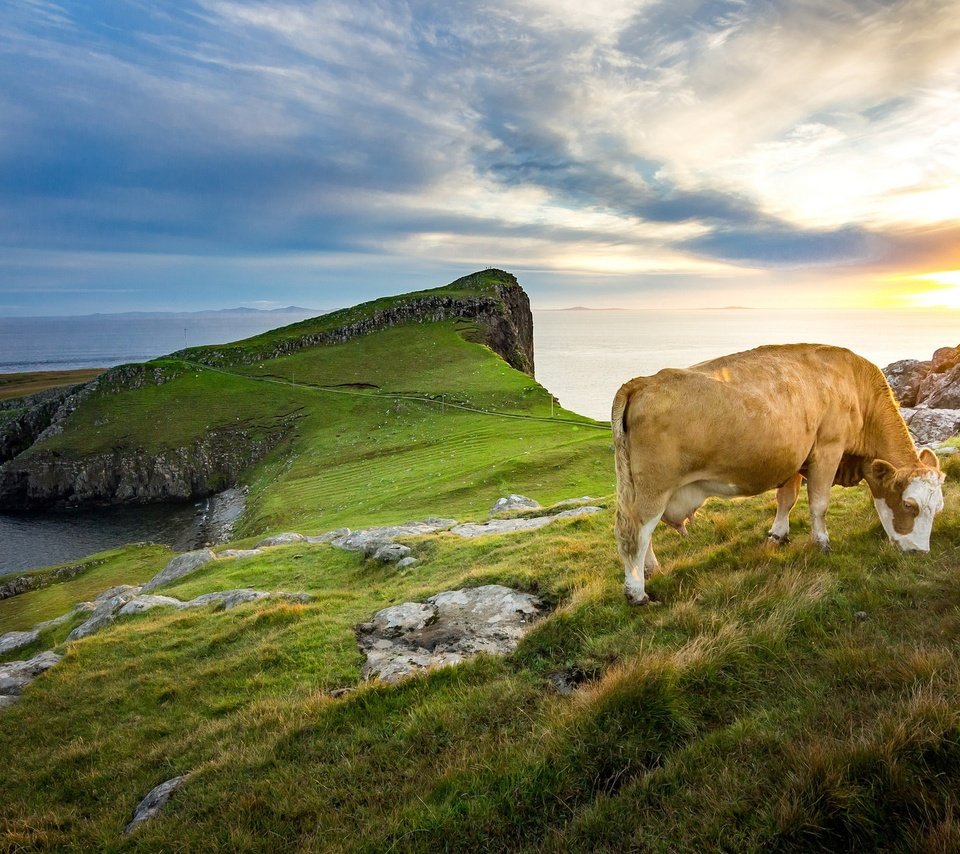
749,708
768,699
22,384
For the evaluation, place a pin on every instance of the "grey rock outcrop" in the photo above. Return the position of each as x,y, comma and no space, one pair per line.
904,378
16,675
391,553
445,630
179,567
148,603
513,502
155,801
82,608
227,599
284,539
103,615
370,540
407,561
329,536
931,426
506,526
238,553
17,640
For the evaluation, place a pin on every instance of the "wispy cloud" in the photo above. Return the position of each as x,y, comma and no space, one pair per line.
713,138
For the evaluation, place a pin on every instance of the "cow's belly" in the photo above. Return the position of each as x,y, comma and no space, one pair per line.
688,498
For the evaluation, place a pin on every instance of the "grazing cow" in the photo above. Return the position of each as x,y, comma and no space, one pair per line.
764,419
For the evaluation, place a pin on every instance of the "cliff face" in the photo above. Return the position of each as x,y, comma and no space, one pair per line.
200,469
37,473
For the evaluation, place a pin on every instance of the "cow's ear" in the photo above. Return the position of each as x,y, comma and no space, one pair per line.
878,471
929,458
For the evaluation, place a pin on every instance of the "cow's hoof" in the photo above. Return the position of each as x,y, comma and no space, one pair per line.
775,540
825,547
634,599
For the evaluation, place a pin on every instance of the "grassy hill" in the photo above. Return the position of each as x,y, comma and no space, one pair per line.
768,699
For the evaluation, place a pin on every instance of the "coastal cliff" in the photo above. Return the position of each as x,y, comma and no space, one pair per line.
492,299
170,430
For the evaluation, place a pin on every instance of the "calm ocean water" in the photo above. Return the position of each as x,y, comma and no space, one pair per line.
64,343
584,356
581,356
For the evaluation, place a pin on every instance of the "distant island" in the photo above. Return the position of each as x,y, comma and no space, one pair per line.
582,308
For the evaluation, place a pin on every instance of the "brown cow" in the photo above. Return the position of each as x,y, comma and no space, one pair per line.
764,419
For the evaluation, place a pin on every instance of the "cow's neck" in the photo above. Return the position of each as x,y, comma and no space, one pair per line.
885,435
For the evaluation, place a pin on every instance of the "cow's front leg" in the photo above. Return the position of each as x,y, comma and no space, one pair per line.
821,472
786,498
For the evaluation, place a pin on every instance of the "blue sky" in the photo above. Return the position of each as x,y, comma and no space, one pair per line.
215,153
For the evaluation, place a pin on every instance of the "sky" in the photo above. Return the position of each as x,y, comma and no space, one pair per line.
652,153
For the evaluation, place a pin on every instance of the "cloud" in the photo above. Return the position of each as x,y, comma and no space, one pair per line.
616,137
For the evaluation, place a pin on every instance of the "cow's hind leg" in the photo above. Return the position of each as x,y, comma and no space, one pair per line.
786,497
634,535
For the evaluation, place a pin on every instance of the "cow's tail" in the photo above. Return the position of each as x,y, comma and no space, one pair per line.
627,525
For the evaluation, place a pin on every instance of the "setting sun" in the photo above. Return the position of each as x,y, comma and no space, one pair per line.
945,294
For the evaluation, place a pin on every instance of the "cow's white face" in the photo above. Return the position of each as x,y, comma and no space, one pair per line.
907,500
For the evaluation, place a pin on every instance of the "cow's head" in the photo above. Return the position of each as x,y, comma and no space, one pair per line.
907,499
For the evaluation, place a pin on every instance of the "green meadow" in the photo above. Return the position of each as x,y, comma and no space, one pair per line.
768,699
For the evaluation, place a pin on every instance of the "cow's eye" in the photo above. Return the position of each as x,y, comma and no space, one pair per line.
911,506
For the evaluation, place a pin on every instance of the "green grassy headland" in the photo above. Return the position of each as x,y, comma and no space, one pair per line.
23,384
769,699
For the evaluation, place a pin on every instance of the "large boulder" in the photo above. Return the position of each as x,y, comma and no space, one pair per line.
905,377
941,390
932,426
445,630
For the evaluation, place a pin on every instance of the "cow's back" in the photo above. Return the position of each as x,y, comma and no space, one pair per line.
750,418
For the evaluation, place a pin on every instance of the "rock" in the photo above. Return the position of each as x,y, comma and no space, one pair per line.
284,539
573,502
945,358
506,526
445,629
155,801
83,607
16,675
947,452
941,390
391,553
408,617
116,591
220,515
368,540
227,599
180,566
102,615
15,640
905,377
238,553
513,502
329,536
861,616
148,603
930,426
407,561
6,700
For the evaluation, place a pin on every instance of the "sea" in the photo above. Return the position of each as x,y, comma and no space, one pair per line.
582,356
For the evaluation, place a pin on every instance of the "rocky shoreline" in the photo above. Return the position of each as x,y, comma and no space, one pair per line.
928,392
